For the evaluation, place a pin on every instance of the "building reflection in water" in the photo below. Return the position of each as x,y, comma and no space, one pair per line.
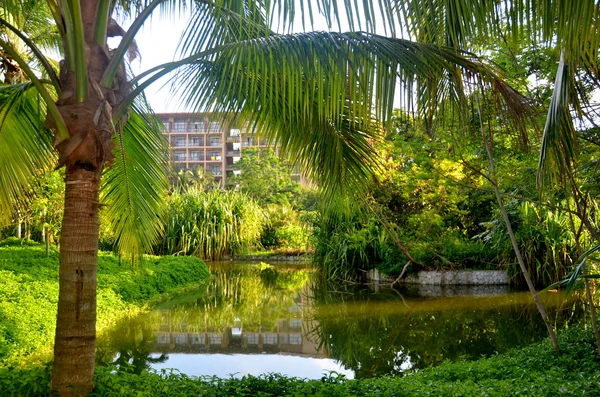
287,337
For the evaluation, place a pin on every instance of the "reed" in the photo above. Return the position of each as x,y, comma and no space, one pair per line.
211,224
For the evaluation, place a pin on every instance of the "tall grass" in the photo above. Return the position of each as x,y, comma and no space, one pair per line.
346,239
211,224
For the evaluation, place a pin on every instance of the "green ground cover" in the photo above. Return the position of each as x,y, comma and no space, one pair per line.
29,294
531,371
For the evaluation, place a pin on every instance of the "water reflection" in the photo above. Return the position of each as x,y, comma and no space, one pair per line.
246,309
389,334
255,319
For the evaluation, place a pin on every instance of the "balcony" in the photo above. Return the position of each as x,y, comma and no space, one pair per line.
233,152
215,158
179,127
196,157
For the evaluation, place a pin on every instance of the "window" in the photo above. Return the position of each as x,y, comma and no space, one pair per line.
215,339
198,126
179,156
214,141
195,141
270,339
163,339
295,339
214,126
215,169
295,323
214,153
252,339
234,132
180,126
198,339
195,156
166,125
181,339
179,141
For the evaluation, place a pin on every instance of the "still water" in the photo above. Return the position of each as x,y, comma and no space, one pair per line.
256,319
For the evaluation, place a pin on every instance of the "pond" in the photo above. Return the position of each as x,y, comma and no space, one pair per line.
256,319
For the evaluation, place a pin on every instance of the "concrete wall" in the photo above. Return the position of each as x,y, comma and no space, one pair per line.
459,277
277,258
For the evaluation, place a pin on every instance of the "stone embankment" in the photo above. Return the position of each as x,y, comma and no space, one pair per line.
277,258
447,283
459,277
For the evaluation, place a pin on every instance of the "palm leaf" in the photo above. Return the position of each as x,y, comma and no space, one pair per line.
577,273
314,92
135,187
26,149
558,142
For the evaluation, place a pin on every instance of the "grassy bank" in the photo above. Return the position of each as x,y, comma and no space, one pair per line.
532,371
29,294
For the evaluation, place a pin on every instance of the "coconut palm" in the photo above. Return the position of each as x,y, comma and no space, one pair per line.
315,93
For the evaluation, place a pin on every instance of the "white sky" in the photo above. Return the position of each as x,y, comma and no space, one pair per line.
157,42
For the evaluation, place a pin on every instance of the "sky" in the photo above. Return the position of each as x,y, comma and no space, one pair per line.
157,43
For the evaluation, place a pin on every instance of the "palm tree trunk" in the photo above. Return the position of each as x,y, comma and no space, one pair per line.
494,181
75,343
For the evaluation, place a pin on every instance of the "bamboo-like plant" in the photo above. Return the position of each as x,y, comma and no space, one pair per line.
211,224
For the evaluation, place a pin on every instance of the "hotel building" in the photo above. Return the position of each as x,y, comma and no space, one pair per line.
198,140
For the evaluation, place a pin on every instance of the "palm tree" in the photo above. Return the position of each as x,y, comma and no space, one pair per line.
316,93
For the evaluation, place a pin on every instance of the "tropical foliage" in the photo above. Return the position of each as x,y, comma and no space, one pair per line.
319,95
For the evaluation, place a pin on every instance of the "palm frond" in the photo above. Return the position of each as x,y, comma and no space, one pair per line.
212,25
558,142
36,54
303,89
358,15
26,149
135,187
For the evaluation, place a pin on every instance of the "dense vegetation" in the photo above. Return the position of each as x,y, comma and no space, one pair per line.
534,371
433,199
29,292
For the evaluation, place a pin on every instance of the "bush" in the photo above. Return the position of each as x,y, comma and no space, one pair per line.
210,224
